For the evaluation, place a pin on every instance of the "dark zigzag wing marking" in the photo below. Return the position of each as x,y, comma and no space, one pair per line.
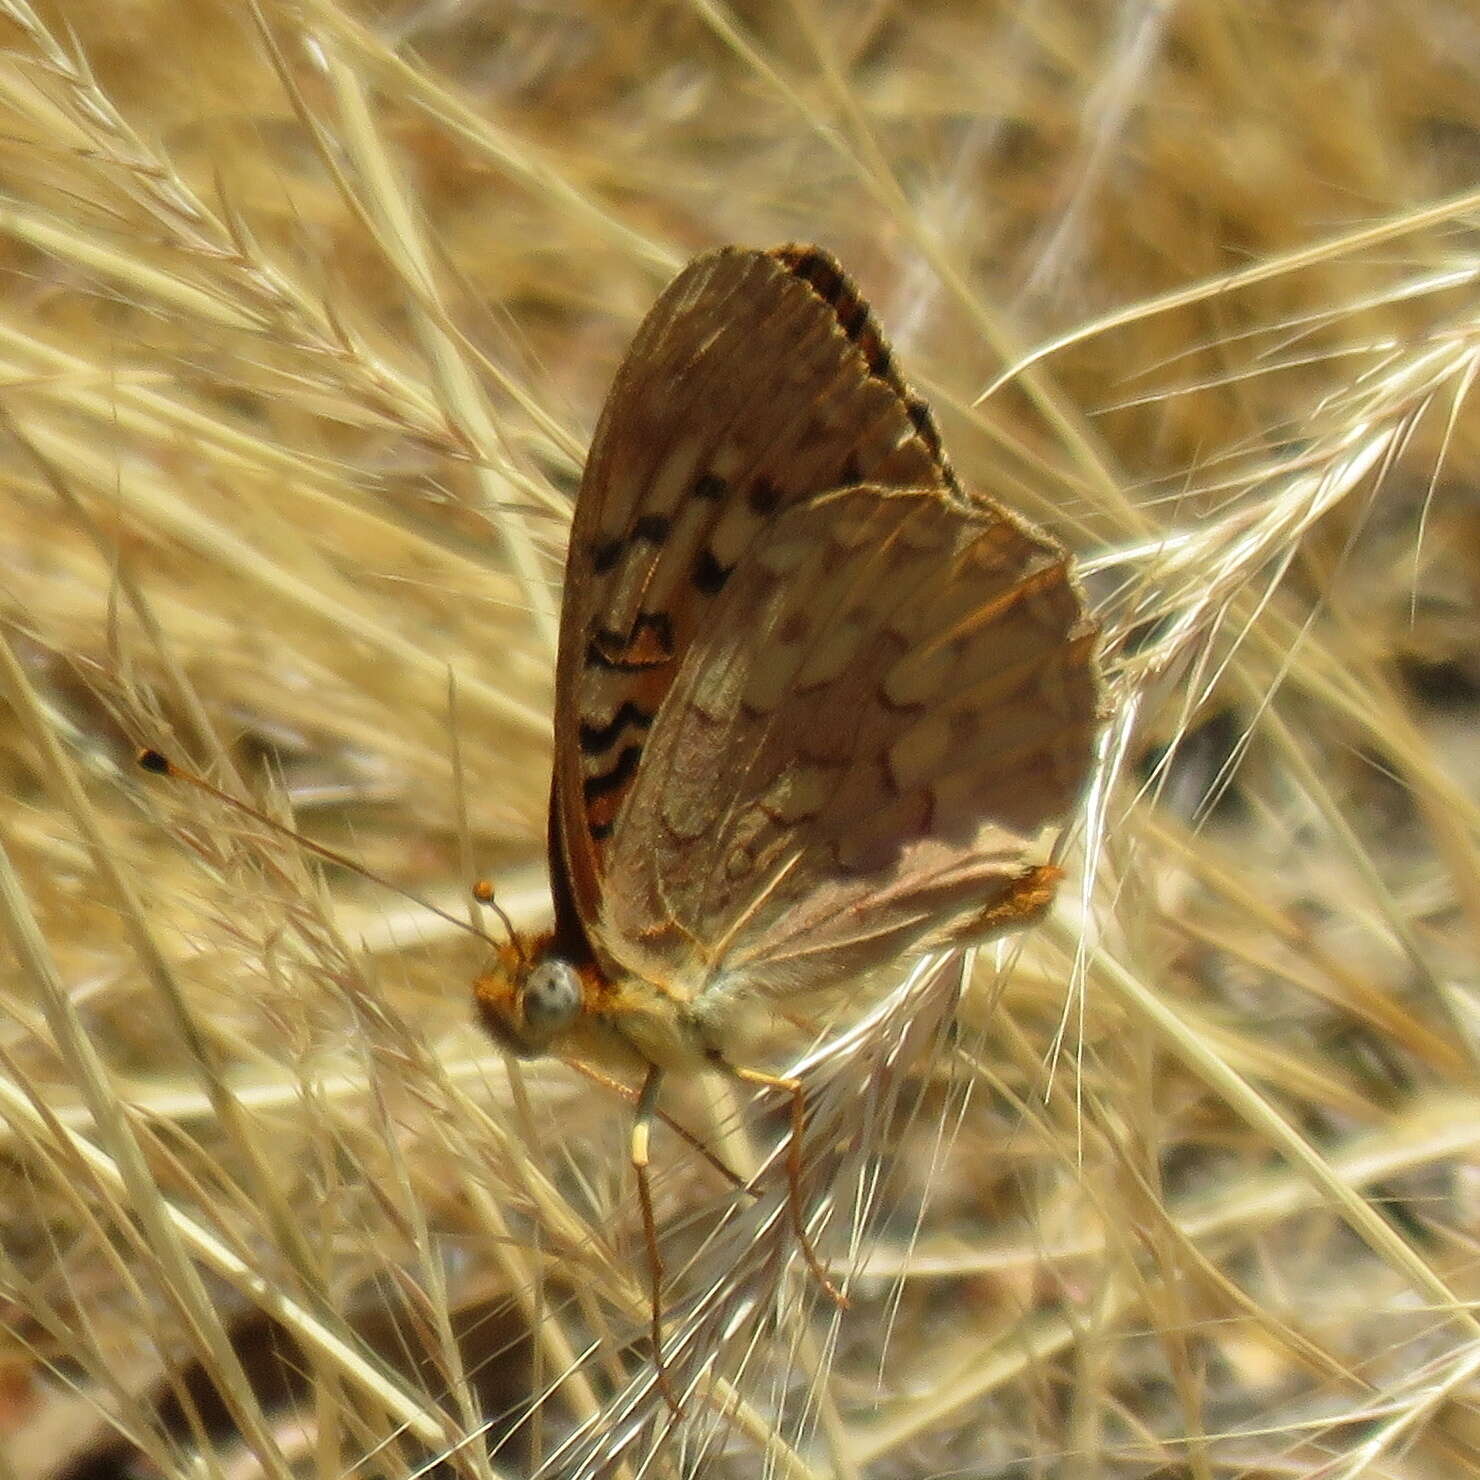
757,380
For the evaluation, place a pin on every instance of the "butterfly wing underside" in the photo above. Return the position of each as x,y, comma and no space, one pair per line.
893,698
757,381
814,703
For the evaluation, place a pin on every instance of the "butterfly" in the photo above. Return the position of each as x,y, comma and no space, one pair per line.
816,704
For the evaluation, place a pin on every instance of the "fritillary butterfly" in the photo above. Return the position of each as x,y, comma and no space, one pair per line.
816,704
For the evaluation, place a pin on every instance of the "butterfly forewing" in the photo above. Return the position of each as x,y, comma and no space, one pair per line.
757,381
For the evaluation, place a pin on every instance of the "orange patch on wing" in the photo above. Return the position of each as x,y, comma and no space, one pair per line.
1026,899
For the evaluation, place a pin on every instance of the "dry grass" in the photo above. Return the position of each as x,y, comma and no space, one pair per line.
309,308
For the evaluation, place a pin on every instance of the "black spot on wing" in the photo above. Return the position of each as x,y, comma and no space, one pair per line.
923,421
711,487
709,575
605,555
817,269
652,529
826,278
595,787
764,497
594,739
648,645
853,316
876,354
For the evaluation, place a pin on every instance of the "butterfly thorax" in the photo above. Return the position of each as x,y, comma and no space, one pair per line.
536,999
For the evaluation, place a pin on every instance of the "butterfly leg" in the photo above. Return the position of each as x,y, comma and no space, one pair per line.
642,1126
793,1087
682,1132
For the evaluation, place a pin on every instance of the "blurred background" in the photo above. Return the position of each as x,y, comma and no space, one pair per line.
309,309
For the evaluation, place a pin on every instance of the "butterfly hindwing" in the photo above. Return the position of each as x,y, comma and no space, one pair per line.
758,380
891,699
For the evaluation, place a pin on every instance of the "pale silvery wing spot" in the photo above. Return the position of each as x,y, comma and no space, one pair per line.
816,704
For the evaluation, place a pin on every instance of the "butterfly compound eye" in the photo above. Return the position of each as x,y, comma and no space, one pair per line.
552,998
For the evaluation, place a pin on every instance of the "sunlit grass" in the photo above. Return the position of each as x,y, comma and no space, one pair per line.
309,313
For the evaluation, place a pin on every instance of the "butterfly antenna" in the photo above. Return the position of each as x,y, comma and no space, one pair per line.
483,893
159,764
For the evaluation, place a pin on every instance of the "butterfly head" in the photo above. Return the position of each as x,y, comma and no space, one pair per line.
531,998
